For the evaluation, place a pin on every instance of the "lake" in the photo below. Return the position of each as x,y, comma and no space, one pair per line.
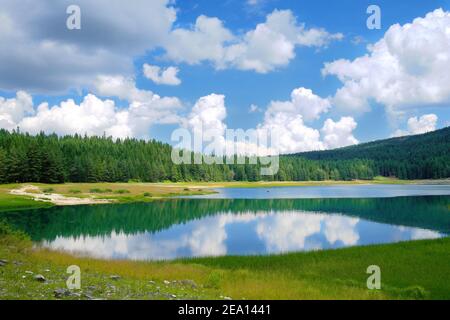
335,191
243,222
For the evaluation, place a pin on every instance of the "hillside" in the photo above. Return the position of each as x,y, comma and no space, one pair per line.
419,156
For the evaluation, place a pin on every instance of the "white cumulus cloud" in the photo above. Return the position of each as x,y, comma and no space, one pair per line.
208,115
291,132
269,46
14,109
205,41
339,134
158,75
424,124
287,120
303,102
283,126
40,55
409,67
93,116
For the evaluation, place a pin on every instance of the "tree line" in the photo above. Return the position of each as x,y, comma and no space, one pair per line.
424,156
54,159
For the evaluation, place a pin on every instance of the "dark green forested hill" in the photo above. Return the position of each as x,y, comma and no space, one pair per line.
410,157
54,159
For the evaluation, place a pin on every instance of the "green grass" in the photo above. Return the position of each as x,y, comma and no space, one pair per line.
145,192
266,184
10,203
122,191
117,192
16,203
409,270
97,190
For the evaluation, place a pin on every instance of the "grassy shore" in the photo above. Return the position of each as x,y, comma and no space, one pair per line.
10,202
115,192
268,184
410,270
146,192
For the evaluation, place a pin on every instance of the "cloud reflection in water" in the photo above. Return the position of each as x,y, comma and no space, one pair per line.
263,233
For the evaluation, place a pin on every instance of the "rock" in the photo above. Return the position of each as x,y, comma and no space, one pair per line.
111,288
166,282
92,288
29,272
152,282
88,296
227,298
2,263
47,270
59,293
115,277
166,295
40,278
189,283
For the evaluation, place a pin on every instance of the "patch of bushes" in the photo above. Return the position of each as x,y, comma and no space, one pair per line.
147,194
97,190
75,191
48,190
134,181
121,191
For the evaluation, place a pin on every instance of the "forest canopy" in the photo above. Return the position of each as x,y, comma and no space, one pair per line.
54,159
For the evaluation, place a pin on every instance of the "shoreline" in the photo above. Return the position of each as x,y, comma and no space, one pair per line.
55,198
26,196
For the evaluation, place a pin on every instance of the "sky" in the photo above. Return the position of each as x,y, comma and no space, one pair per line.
310,71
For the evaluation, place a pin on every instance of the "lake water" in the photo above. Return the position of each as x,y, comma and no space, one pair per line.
177,228
336,191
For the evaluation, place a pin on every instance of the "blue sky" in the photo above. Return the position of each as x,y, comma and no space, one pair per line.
243,87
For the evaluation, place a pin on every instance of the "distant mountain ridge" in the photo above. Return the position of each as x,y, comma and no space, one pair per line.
429,152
